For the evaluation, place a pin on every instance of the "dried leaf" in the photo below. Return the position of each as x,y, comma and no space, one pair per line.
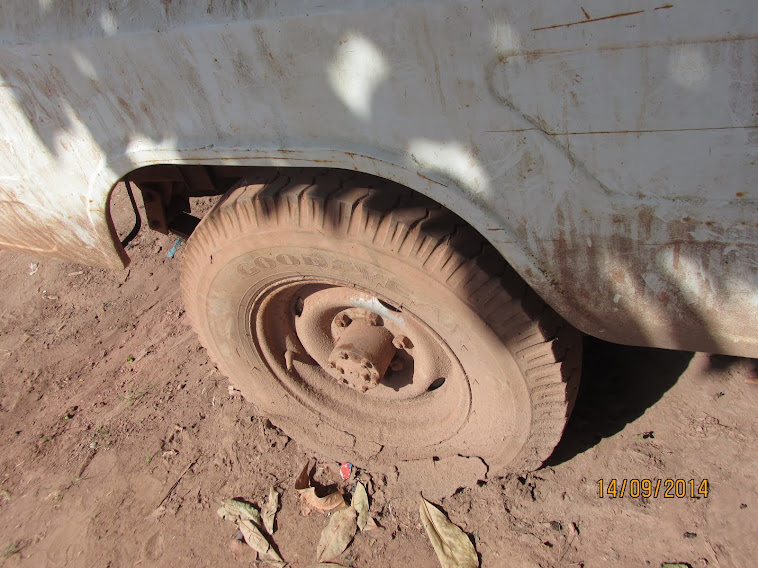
268,511
239,510
360,504
453,548
257,541
309,501
337,535
303,480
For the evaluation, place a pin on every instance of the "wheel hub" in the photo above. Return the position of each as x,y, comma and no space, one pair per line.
340,335
363,351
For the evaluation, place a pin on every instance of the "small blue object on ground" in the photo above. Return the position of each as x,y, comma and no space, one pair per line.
172,252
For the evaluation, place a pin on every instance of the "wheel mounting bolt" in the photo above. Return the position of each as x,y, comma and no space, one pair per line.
342,320
372,318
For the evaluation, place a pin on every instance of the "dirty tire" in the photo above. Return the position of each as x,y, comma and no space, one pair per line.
301,245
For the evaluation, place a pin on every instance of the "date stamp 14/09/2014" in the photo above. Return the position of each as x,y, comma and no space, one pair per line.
653,488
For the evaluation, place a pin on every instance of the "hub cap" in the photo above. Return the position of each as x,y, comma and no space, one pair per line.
363,350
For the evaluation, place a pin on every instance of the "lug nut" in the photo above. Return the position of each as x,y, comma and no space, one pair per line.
372,318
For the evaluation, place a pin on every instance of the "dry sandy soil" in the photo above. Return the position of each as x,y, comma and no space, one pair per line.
120,438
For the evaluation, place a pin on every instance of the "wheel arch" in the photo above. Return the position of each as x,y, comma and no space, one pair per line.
463,200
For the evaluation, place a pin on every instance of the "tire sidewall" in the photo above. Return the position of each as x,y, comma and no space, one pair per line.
498,424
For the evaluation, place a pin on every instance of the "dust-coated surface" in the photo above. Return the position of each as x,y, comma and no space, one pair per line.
119,439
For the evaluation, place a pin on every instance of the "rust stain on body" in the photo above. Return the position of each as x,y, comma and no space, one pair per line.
430,179
534,54
656,130
647,131
676,257
437,74
614,16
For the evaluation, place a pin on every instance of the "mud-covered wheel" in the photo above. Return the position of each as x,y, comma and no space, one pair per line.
374,326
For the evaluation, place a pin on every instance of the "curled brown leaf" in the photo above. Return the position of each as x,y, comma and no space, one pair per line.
303,480
310,501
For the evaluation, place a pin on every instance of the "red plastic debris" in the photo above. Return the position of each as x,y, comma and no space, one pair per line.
345,469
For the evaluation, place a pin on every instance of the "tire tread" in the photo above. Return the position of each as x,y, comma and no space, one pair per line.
394,218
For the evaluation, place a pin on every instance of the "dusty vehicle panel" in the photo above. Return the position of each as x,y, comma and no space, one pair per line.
607,152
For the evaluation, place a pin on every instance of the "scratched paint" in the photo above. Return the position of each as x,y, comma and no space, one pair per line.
609,152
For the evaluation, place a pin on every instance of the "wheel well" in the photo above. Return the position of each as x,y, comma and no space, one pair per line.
167,188
166,191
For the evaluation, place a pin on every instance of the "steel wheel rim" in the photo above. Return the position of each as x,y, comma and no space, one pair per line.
420,413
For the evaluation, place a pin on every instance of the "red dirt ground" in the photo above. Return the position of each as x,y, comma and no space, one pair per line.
120,438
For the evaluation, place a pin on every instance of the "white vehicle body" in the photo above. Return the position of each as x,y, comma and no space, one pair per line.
607,150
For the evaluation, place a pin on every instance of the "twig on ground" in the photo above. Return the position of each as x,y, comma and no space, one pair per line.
176,483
